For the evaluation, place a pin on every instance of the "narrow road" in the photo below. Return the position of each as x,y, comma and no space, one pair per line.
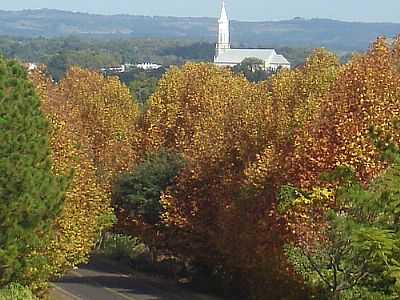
100,281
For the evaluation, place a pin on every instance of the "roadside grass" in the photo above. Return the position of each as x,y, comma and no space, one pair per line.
134,253
16,291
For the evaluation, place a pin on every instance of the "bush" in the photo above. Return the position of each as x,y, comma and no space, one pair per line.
122,247
15,291
139,192
132,251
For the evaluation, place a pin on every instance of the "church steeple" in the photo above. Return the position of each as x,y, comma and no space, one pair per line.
224,16
223,31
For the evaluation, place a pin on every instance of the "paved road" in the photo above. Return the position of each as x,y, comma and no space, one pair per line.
95,281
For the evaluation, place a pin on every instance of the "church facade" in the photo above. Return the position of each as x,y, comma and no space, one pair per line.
225,56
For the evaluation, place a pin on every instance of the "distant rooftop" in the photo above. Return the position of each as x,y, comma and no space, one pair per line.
238,55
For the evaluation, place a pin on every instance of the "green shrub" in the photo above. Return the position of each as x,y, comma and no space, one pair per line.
121,247
15,291
139,192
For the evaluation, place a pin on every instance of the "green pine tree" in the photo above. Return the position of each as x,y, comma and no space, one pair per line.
360,258
30,194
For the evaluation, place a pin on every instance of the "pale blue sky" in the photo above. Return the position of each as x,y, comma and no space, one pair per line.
355,10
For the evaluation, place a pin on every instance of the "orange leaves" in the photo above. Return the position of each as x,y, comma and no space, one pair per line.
258,171
192,108
242,142
364,95
222,124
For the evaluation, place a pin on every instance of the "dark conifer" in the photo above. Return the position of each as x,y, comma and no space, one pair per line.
30,194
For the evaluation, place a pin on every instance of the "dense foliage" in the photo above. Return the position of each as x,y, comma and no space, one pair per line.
94,53
93,138
253,69
283,193
197,51
31,194
138,194
358,257
243,143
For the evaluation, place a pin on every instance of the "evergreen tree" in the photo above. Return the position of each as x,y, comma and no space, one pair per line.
253,69
139,192
30,194
359,257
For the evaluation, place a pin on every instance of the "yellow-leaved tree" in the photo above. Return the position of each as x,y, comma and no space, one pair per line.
94,138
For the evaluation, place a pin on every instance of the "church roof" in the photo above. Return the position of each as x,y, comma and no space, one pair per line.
279,60
236,56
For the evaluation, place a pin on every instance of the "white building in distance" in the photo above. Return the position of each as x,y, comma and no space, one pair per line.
148,66
225,56
128,67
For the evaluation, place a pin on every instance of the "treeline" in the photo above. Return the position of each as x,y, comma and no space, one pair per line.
91,53
286,189
94,53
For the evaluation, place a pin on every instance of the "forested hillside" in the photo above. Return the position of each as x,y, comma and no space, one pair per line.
298,32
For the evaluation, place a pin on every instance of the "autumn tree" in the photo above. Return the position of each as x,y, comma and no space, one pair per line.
243,142
108,117
360,105
364,96
91,119
220,123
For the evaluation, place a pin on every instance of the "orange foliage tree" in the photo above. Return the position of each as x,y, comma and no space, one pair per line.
108,116
244,142
363,99
232,133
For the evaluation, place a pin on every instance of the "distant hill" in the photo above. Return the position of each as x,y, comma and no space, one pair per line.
336,35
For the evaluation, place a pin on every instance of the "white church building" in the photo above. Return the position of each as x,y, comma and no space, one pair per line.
225,56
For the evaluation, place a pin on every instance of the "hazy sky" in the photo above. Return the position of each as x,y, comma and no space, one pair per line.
359,10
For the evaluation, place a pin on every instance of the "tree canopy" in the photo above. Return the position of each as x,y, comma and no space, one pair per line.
31,193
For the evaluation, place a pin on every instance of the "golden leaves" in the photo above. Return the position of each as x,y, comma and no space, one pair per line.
108,116
242,143
93,138
258,171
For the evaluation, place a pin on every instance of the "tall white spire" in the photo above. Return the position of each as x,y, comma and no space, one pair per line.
223,31
224,16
